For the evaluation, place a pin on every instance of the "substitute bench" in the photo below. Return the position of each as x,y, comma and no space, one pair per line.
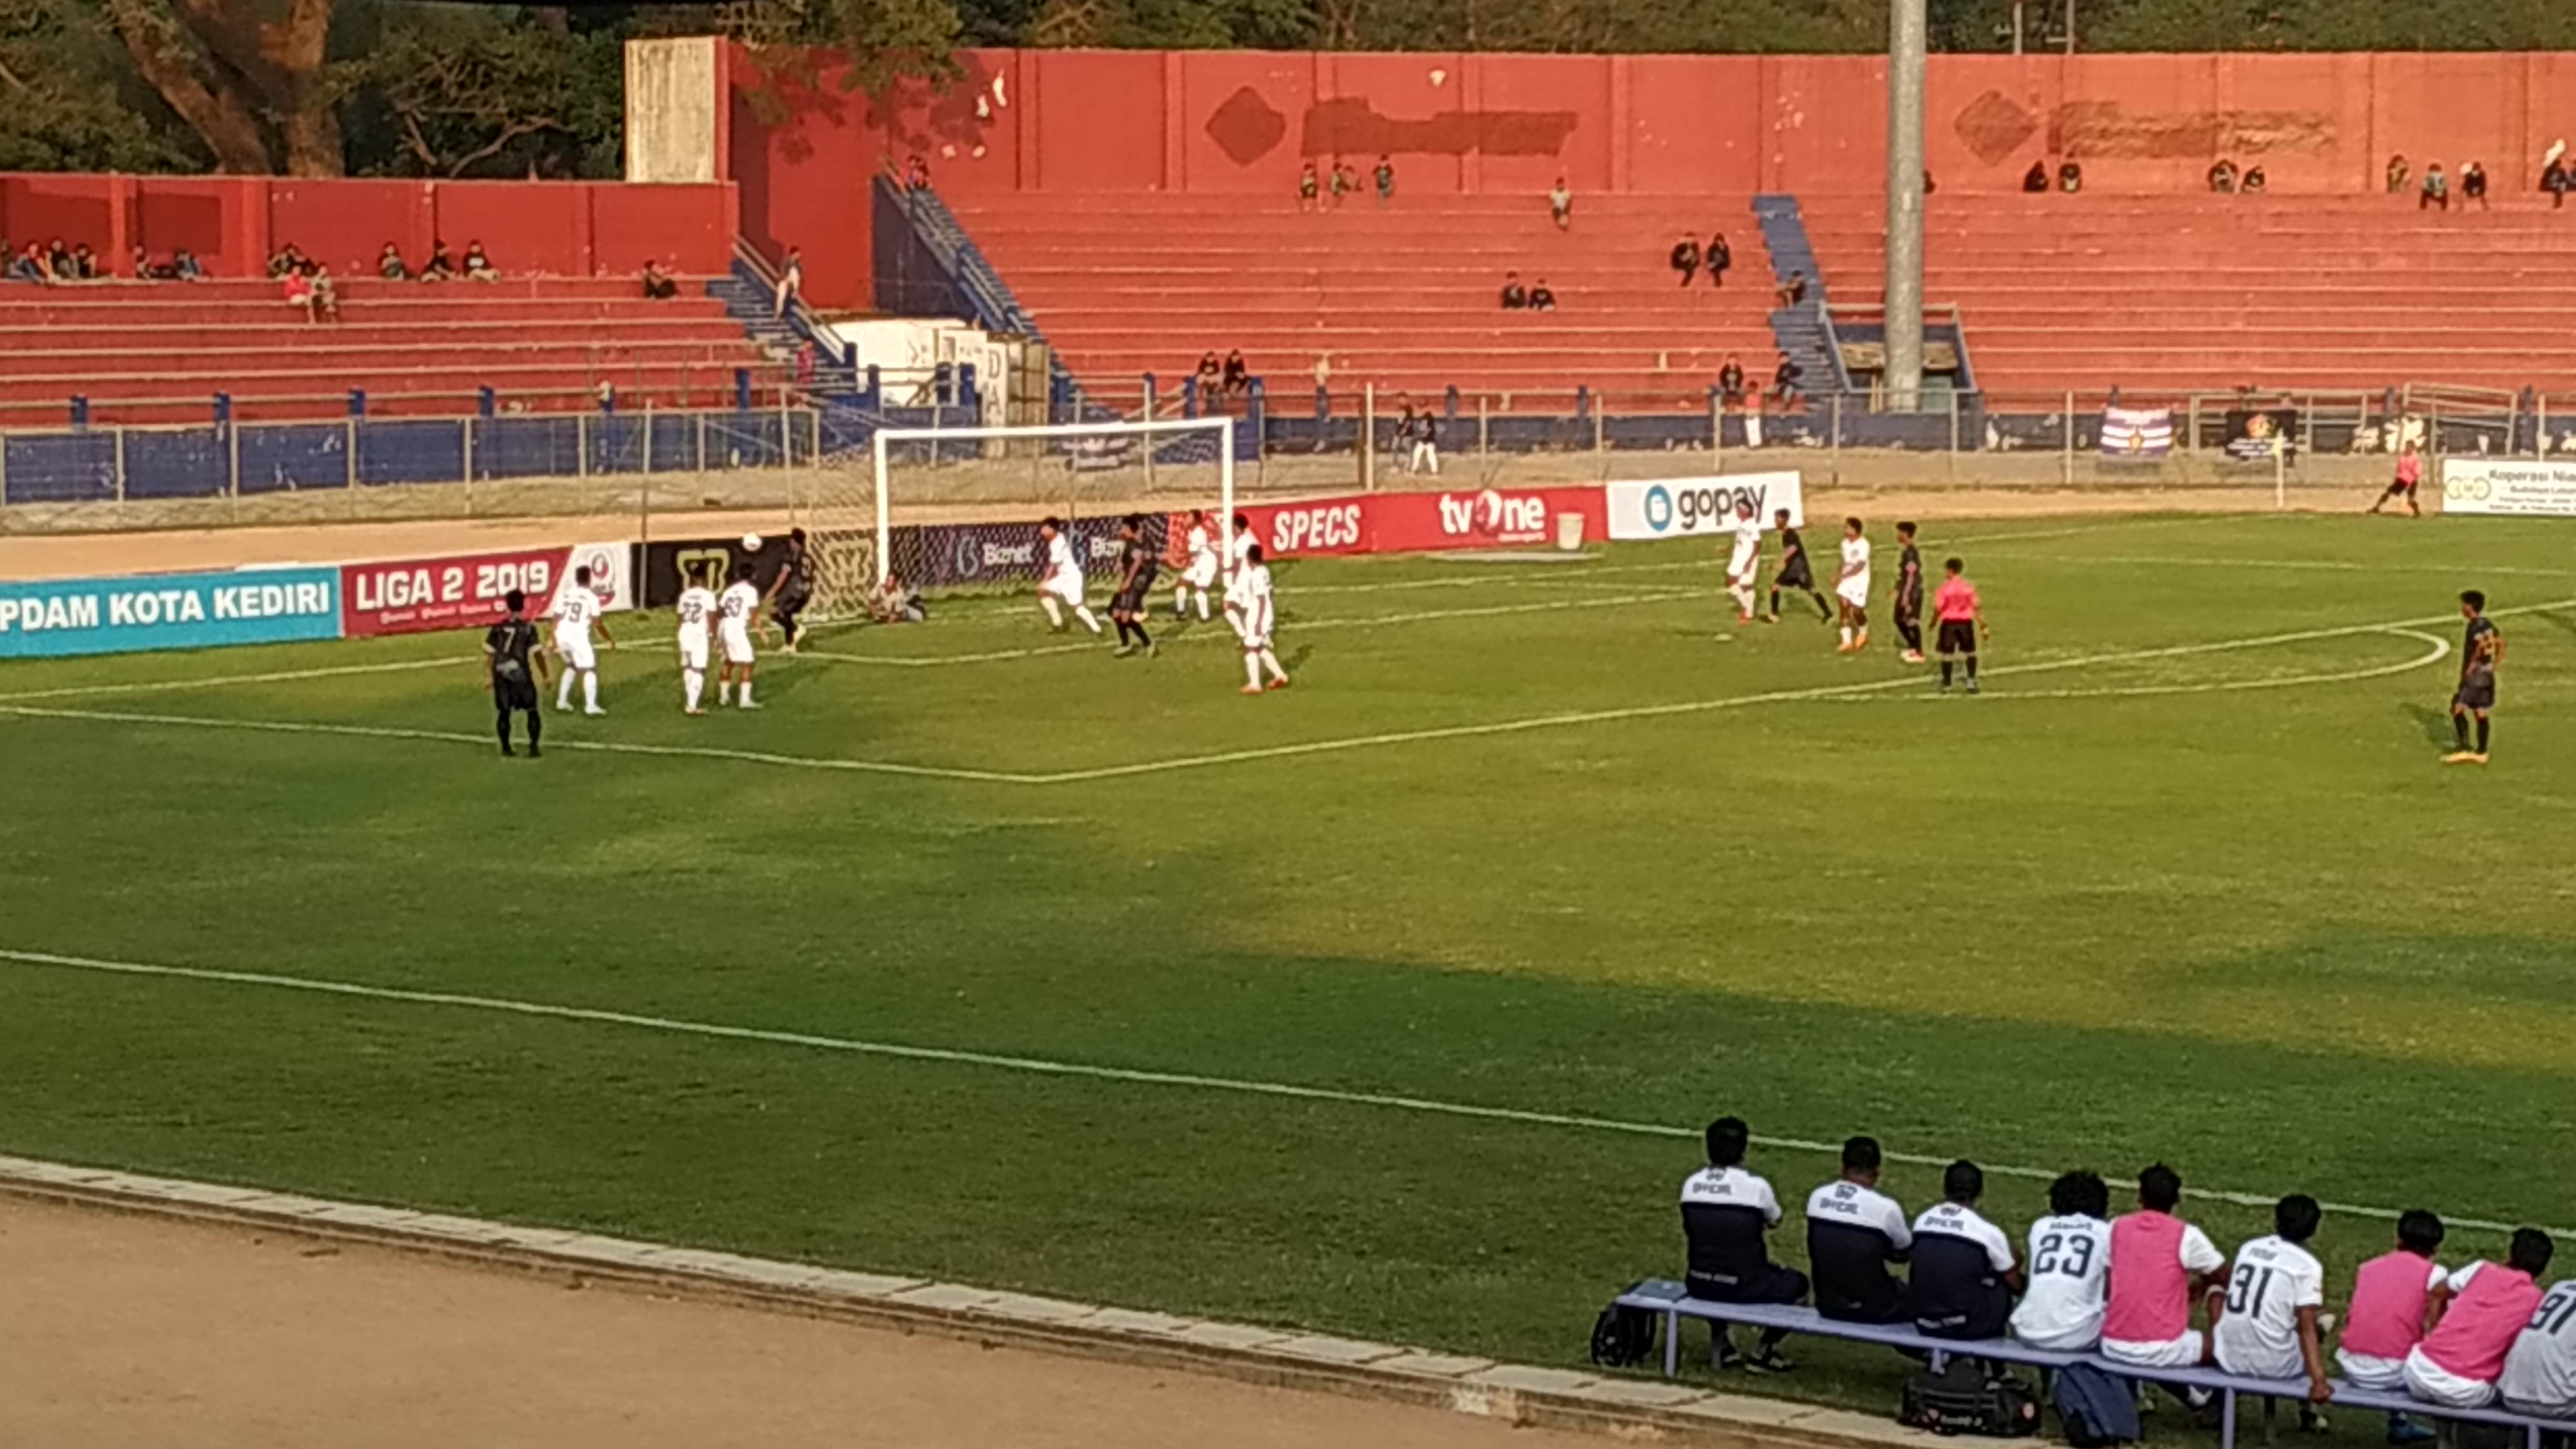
1669,1301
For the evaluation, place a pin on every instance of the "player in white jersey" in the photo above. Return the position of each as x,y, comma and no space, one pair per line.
1237,544
1200,574
1744,560
2275,1293
2540,1369
578,611
1061,582
2070,1267
1851,588
1253,610
696,612
736,608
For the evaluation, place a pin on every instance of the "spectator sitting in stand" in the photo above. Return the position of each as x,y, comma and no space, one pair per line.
326,293
286,259
1209,376
1730,384
1385,175
1791,292
1540,298
2473,185
1344,179
2035,180
85,263
30,266
144,271
1560,204
185,267
2222,176
1717,258
438,268
389,264
2070,177
658,285
791,281
1309,187
1238,374
2555,178
1515,296
1685,258
916,173
2255,180
2436,191
297,288
1784,382
2398,171
478,267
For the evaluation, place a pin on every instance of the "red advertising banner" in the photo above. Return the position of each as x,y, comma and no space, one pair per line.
465,591
1316,526
1482,518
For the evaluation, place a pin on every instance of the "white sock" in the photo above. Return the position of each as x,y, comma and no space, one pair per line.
1847,634
1181,601
1270,662
695,681
590,689
1203,606
1083,612
746,694
1252,668
724,691
1742,596
1055,614
563,690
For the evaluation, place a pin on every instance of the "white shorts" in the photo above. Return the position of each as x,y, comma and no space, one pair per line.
2183,1352
737,644
2435,1384
1253,641
1066,586
1200,575
2366,1371
577,651
2080,1340
1854,591
693,651
1744,580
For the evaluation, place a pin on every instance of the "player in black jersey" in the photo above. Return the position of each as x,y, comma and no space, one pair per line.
514,668
1909,596
792,590
2479,652
1794,573
1137,566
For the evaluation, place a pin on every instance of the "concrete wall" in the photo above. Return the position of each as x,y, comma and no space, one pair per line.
676,108
1243,122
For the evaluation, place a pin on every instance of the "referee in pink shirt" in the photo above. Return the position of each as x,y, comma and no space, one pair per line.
1962,619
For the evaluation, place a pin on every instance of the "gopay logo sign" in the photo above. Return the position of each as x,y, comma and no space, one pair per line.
1684,507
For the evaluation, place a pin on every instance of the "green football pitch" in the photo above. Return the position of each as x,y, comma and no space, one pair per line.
1390,1005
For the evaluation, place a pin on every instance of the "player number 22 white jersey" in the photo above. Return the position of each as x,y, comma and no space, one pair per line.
696,607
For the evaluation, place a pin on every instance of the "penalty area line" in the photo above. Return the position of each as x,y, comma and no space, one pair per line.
1054,1067
281,676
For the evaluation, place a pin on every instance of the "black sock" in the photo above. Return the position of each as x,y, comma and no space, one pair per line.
505,726
1775,598
1972,669
1122,628
1771,1338
2460,728
1945,671
1824,610
536,726
2482,734
1142,637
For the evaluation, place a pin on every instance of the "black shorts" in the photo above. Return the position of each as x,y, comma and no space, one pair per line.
2475,694
1795,576
1774,1284
1128,601
789,606
1909,607
1958,636
514,691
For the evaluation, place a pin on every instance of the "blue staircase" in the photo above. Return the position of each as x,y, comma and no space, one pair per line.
1799,331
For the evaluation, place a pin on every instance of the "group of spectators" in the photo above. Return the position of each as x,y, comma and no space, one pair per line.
1535,297
1341,181
1689,258
2128,1287
2069,178
1225,380
1735,390
48,263
438,266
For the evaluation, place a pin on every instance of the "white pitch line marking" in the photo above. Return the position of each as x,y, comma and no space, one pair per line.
2440,648
282,676
1136,1076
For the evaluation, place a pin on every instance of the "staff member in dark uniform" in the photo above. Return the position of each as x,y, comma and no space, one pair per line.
514,669
2479,652
1909,596
792,590
1137,567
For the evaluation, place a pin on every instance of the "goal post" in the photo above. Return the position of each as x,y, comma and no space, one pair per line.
951,508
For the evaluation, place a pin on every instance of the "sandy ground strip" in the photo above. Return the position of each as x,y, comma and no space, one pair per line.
126,1330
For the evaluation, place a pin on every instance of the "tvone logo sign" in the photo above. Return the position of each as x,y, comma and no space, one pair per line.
1492,514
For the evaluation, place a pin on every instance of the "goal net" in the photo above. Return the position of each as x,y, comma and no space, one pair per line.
951,509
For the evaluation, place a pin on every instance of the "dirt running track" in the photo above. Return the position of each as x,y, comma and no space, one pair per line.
130,1330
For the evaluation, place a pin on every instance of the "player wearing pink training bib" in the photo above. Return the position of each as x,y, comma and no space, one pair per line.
2160,1265
2463,1355
2392,1299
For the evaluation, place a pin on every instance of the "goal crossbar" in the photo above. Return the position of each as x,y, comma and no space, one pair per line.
886,438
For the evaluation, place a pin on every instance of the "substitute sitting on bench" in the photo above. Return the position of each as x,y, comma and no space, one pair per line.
1727,1216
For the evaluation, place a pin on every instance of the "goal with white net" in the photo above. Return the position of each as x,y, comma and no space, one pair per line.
948,509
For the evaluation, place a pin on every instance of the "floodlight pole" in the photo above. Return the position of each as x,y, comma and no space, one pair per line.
1904,310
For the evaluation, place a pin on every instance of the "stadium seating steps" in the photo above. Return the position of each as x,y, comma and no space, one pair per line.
2163,295
157,353
1405,296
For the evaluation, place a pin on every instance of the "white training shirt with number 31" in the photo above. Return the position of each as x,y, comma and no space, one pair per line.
2258,1335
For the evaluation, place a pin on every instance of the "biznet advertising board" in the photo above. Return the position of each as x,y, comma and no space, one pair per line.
465,591
1696,507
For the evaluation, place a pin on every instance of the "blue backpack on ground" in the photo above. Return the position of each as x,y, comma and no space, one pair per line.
2096,1409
